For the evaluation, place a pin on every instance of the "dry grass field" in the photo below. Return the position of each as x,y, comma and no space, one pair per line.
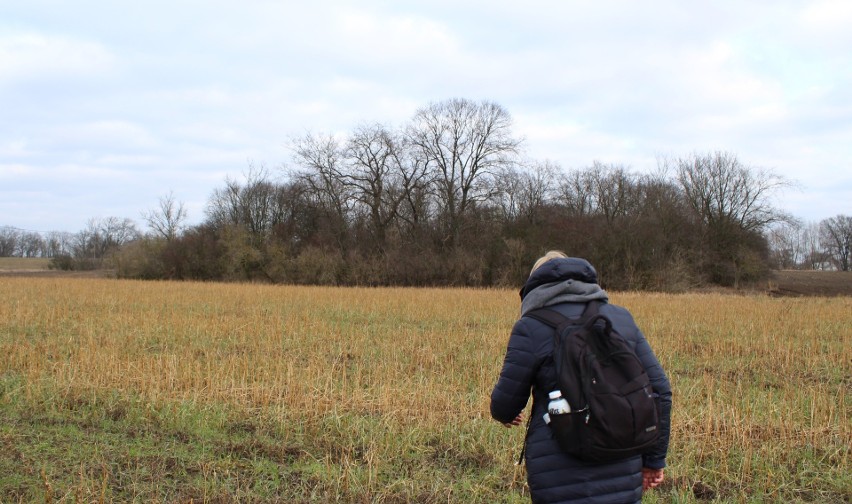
23,264
124,391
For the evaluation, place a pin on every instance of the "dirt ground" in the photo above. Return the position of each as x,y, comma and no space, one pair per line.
780,283
810,283
39,267
44,273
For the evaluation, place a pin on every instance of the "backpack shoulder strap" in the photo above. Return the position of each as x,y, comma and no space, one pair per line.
555,319
592,309
547,316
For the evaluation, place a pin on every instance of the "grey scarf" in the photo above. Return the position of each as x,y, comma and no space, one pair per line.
567,291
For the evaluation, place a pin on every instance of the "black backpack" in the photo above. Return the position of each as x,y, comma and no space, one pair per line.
614,412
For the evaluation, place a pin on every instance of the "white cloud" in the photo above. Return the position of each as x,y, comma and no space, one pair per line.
13,148
379,38
828,21
34,55
106,134
11,171
175,96
74,172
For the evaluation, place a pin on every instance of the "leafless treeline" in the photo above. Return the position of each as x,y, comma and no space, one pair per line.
818,246
87,248
450,199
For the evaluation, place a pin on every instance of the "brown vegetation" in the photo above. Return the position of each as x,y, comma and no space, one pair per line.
446,200
810,283
381,395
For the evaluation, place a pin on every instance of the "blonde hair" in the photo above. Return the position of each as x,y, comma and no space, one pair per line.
551,254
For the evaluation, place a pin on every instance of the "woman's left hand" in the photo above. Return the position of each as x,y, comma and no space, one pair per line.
651,478
517,421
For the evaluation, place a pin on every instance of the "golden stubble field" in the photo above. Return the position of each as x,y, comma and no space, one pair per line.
761,385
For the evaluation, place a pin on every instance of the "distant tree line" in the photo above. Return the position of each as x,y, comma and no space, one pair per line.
826,245
86,249
448,199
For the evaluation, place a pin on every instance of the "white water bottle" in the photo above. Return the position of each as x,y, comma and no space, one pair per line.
557,405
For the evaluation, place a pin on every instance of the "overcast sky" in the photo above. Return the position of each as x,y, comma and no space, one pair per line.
107,106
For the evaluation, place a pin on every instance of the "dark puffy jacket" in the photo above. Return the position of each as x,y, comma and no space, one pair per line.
553,476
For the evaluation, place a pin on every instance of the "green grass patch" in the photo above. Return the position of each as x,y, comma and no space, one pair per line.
76,446
59,445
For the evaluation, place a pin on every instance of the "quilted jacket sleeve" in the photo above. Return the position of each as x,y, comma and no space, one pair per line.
656,459
512,391
626,326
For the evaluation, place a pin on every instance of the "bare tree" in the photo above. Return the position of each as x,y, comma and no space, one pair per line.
419,206
523,193
260,207
465,143
539,188
663,204
510,186
732,203
168,218
255,206
836,239
381,175
58,243
30,244
786,245
322,158
576,194
613,190
723,191
117,231
102,236
8,241
814,255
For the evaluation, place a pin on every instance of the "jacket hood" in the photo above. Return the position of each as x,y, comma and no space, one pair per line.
559,270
